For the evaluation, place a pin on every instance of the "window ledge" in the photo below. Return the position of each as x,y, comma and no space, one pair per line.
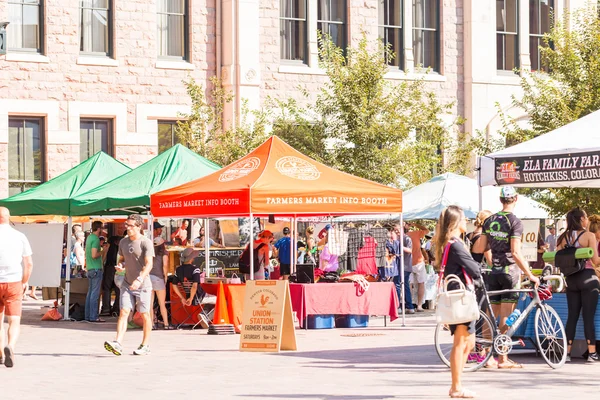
102,61
181,65
27,57
411,76
300,69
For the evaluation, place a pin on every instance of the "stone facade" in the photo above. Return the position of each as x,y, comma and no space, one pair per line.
239,42
280,80
134,87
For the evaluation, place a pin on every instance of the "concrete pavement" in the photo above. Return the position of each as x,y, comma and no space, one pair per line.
64,360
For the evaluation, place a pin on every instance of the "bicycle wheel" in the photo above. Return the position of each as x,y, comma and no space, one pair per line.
550,336
482,352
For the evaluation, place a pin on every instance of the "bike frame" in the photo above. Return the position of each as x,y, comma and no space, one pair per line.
523,317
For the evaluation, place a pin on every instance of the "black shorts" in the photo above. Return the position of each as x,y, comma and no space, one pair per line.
284,269
503,281
470,327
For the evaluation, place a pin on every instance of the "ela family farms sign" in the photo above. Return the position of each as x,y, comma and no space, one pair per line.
549,168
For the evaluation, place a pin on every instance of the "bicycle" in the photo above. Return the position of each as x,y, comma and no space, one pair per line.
550,338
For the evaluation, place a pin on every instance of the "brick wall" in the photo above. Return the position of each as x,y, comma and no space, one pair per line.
362,16
134,81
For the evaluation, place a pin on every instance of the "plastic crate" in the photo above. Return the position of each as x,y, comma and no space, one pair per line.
351,321
325,321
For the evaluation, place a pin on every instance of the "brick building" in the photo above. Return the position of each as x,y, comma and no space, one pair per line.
87,75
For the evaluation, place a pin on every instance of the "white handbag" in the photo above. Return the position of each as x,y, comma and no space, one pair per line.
456,306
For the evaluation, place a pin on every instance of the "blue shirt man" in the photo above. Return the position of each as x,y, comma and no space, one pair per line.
284,253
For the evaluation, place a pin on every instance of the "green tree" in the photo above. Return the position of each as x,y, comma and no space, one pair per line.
363,124
202,129
568,91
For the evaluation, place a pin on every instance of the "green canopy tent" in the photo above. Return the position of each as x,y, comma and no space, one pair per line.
54,197
130,193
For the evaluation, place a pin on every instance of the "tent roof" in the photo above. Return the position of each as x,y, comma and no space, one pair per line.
53,197
427,200
580,138
276,179
131,191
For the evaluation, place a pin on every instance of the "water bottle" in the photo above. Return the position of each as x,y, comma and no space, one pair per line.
513,317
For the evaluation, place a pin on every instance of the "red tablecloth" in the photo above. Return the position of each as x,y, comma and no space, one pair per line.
344,298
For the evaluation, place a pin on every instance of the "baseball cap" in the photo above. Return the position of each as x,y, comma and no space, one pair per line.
158,241
507,192
286,230
157,225
188,255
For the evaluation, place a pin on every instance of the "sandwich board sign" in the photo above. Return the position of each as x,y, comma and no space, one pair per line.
267,321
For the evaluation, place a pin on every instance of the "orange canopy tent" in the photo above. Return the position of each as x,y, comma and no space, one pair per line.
276,179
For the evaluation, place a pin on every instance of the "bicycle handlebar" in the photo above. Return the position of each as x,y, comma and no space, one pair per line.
559,278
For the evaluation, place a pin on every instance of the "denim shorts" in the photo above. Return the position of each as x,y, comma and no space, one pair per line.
141,297
158,283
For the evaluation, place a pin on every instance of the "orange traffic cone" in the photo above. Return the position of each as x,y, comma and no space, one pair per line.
221,314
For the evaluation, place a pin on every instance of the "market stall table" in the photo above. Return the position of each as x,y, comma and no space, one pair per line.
343,299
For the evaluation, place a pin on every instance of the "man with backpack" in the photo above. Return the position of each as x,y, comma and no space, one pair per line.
502,232
260,253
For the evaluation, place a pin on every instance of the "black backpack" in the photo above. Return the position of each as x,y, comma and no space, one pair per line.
244,263
565,259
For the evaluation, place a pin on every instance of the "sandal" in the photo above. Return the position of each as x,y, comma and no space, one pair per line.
462,394
511,365
492,363
98,320
169,328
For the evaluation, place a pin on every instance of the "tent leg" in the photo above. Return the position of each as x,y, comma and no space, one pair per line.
206,250
151,226
67,296
402,282
295,246
251,244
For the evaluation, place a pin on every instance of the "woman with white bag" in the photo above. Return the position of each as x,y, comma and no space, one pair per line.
456,260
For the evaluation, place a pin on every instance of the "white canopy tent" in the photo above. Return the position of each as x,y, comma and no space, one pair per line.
427,200
565,157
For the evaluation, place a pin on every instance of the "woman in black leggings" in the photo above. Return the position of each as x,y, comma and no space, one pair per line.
582,287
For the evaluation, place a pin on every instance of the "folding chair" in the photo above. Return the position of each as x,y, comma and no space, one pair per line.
207,311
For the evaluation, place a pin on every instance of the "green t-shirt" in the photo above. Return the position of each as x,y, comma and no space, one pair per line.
93,242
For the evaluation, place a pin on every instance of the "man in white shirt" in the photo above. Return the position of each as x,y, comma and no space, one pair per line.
551,239
15,269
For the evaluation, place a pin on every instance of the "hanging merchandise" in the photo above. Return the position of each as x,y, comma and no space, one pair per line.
380,235
328,262
355,243
337,239
366,257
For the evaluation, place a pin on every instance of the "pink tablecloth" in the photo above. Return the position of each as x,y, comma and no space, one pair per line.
344,298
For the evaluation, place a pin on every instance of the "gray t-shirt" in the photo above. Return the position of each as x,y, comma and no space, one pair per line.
134,253
157,262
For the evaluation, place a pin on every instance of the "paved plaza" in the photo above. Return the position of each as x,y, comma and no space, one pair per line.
66,360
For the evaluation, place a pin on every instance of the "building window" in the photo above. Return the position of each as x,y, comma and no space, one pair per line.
507,35
292,34
96,27
425,33
172,29
390,29
25,154
540,23
331,20
25,31
167,135
95,137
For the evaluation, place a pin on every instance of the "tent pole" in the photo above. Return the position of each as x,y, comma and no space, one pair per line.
68,269
251,244
295,246
479,188
206,249
151,225
403,283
